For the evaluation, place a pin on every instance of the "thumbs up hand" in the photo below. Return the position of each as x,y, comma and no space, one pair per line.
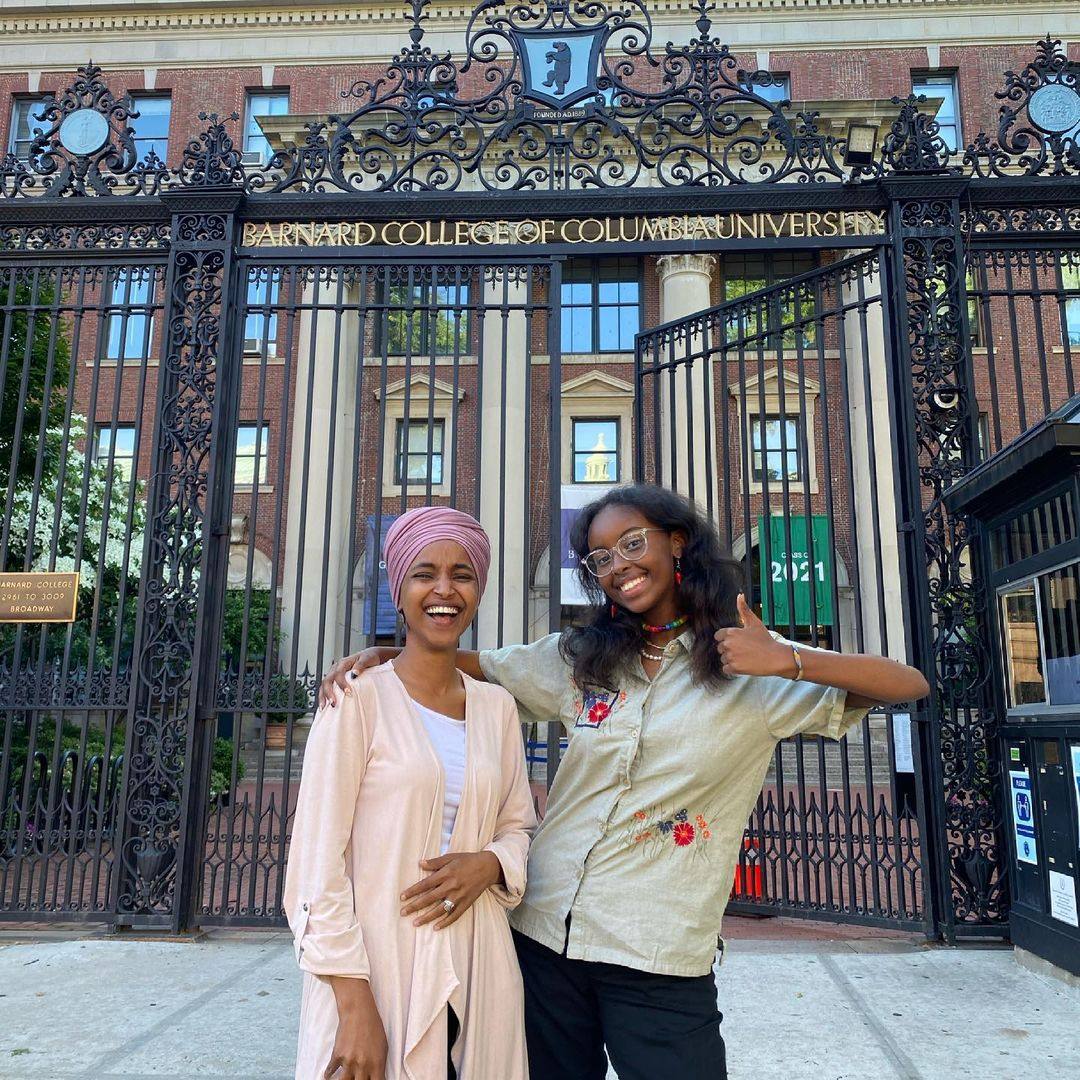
750,649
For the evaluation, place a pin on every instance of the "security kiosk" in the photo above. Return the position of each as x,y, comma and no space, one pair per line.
1027,500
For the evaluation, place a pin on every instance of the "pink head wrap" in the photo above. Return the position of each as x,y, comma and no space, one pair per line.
415,529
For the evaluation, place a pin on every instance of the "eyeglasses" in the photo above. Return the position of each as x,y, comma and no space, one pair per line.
631,545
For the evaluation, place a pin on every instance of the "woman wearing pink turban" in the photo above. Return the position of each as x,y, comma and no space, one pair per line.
418,774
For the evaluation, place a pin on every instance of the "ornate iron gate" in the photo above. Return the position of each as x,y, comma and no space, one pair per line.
221,567
793,389
338,364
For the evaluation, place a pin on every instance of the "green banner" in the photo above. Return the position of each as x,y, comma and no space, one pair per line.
779,567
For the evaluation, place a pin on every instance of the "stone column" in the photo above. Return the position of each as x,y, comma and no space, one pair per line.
321,460
502,467
685,282
873,439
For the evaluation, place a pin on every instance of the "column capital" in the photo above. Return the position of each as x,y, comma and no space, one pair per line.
685,263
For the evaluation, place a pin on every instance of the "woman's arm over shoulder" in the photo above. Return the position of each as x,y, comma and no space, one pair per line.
535,674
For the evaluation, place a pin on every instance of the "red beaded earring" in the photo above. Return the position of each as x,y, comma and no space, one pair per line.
614,611
678,570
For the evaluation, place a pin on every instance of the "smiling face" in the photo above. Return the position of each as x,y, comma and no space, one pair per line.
645,586
440,595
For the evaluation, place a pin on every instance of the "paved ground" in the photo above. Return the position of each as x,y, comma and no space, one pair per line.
800,1003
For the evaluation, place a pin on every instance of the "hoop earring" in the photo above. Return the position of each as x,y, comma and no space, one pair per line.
678,571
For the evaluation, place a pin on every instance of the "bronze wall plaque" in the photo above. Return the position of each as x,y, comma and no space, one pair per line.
38,598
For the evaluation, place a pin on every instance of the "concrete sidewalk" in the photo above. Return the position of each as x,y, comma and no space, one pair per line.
226,1006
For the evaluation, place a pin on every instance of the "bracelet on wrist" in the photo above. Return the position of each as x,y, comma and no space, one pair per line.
798,664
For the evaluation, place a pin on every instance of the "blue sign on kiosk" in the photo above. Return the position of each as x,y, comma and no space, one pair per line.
1023,813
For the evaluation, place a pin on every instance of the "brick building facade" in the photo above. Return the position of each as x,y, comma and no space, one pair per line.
277,67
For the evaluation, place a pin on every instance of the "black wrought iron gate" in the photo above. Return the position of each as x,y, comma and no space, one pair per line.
340,365
777,412
215,432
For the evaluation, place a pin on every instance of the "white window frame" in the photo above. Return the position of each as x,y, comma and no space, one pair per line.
778,91
403,453
259,157
788,448
270,286
133,290
792,406
32,122
261,459
138,99
125,463
616,450
425,399
924,82
596,394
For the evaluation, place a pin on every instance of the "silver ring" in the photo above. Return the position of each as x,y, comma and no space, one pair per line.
448,905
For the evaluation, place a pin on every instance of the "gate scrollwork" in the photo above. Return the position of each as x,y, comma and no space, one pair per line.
945,412
86,146
159,736
551,97
1039,123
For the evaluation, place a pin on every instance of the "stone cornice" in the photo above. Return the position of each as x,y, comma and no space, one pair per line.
83,17
58,35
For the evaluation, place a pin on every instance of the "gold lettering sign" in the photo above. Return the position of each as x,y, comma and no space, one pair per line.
38,598
811,224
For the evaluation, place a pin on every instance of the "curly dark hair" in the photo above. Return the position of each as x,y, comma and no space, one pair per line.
712,580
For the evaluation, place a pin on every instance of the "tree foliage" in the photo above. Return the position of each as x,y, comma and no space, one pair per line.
36,368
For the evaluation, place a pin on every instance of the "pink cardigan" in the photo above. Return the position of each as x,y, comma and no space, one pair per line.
369,809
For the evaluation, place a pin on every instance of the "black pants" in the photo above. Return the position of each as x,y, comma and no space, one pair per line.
655,1027
453,1029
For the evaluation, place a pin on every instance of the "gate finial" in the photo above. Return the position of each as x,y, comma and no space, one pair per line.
211,160
419,17
915,145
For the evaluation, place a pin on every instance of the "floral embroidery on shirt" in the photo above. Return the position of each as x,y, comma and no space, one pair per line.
594,707
655,831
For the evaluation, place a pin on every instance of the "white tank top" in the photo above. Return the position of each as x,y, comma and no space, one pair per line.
447,736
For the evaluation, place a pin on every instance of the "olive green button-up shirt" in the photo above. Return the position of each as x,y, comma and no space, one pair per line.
645,819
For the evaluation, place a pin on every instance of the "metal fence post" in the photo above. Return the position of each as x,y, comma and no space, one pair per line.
554,336
937,444
163,801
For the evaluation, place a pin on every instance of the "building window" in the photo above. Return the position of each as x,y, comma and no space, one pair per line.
745,274
1070,286
130,322
778,90
25,119
151,126
596,451
252,452
601,305
260,325
948,116
118,441
779,443
982,436
421,462
427,320
974,310
260,103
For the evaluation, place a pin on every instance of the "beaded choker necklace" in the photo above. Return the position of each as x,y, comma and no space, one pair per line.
673,625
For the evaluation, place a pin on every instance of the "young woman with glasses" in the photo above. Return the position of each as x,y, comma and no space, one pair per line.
674,695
